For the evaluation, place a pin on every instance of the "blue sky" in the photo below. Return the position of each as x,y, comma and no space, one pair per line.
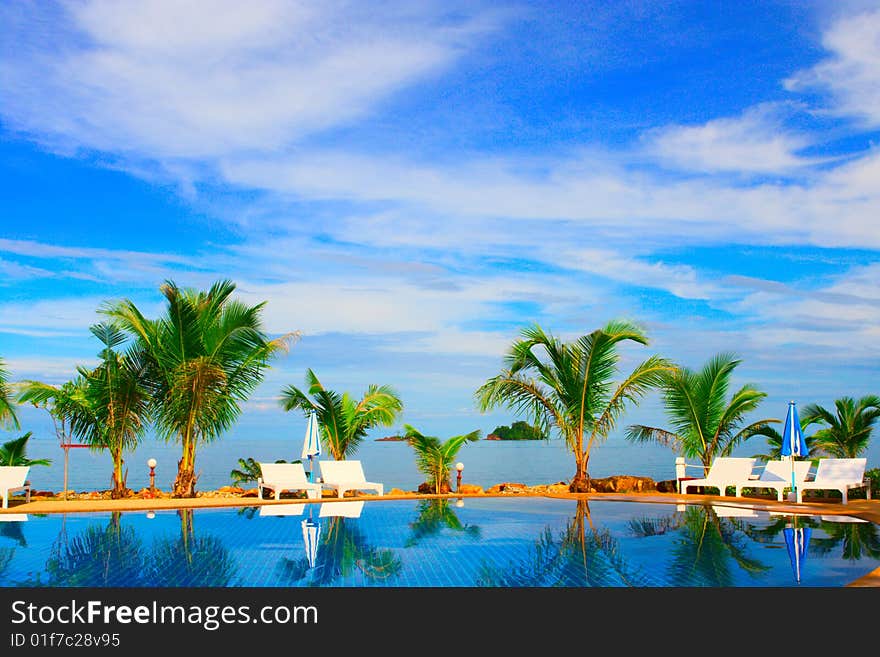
409,184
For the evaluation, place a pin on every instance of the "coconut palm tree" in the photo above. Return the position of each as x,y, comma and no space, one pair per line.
118,394
569,387
433,458
705,424
344,421
205,356
846,432
7,410
106,407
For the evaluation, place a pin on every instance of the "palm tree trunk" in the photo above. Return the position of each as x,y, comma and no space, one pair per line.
581,481
118,491
185,482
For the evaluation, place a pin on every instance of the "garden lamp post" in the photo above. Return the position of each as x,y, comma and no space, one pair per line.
152,464
458,466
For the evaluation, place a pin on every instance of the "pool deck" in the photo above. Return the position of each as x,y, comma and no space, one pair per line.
864,509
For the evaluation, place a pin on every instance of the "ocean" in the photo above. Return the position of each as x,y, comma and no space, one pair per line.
486,462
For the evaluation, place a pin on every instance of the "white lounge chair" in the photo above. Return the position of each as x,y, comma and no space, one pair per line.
13,479
777,475
347,475
279,477
725,471
838,474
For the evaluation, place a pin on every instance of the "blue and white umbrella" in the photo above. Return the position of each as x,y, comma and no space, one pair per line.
793,443
312,442
311,534
796,540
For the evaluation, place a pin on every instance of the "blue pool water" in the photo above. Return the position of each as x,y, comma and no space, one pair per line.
492,542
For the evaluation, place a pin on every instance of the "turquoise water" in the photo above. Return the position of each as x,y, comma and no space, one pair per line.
491,542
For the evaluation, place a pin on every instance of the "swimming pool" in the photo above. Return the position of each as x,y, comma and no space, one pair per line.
475,542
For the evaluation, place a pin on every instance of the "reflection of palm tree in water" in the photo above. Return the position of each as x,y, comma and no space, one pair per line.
434,516
11,530
190,560
704,552
856,539
582,556
707,548
343,551
98,557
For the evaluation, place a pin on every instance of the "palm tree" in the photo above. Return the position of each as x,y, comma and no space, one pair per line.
569,386
705,424
344,422
7,411
433,458
847,432
204,356
774,443
118,394
13,452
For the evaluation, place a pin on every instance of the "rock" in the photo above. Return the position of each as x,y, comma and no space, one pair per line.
471,489
667,486
557,489
428,489
622,484
493,436
251,492
508,488
396,491
230,490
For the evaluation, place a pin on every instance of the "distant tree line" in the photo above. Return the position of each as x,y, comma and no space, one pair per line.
519,430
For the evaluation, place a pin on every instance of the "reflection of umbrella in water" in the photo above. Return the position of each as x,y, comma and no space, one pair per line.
793,443
796,540
311,442
311,534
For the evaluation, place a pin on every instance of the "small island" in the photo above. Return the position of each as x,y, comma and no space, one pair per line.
519,430
391,439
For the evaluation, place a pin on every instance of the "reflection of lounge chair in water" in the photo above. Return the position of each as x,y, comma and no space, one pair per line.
723,511
341,509
295,509
13,517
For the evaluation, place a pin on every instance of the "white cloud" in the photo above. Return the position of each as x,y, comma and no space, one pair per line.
851,73
755,142
50,317
680,280
168,80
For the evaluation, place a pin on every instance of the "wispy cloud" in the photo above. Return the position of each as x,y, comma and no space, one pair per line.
755,142
160,80
850,75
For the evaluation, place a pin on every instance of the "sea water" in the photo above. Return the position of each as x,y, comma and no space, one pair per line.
486,462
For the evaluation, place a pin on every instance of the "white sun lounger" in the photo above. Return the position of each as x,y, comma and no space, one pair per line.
13,478
279,477
777,475
838,474
725,471
347,475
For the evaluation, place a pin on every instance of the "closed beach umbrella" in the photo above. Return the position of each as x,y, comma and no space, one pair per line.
793,443
311,534
312,442
796,540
